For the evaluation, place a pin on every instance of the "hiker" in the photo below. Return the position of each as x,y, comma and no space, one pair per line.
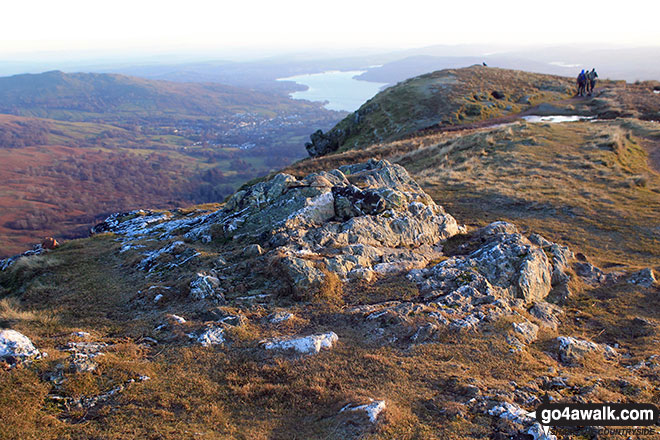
581,83
591,77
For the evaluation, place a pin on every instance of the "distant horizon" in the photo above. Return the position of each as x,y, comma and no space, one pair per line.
235,29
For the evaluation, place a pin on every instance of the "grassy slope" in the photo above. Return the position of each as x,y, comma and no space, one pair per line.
449,98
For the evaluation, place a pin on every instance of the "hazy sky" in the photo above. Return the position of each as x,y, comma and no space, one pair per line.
133,25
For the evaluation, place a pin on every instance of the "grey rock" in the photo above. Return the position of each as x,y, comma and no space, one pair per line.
253,250
526,331
572,350
547,313
312,344
643,278
206,286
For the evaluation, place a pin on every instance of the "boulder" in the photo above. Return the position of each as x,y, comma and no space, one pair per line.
572,350
15,347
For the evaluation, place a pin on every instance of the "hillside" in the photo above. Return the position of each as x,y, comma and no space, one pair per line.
92,97
436,286
457,98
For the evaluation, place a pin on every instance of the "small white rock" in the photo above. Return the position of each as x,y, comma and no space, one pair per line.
372,409
178,319
306,345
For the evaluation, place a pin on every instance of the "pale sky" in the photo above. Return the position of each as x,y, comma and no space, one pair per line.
88,25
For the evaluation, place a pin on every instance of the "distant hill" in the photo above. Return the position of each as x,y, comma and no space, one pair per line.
455,98
92,97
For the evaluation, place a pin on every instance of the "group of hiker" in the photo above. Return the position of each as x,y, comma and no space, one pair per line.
586,81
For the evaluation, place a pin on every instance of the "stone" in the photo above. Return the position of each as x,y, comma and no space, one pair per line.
176,318
572,350
547,313
212,335
312,344
643,278
590,273
253,250
526,331
280,316
206,286
15,347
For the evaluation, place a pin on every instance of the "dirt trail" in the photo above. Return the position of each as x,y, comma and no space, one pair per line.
653,149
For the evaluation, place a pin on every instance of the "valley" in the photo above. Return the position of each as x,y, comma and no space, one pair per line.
77,147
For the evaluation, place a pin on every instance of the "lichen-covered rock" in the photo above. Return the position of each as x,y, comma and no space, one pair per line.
212,335
504,268
507,265
206,286
354,221
643,278
15,347
306,345
572,350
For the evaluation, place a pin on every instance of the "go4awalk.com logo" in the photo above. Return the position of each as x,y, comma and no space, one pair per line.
628,415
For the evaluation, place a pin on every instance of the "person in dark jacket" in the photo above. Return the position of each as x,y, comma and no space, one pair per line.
581,83
591,80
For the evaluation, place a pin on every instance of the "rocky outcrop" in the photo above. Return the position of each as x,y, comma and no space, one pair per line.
356,221
494,270
352,221
324,143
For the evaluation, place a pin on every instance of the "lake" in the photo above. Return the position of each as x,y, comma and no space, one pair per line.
340,89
